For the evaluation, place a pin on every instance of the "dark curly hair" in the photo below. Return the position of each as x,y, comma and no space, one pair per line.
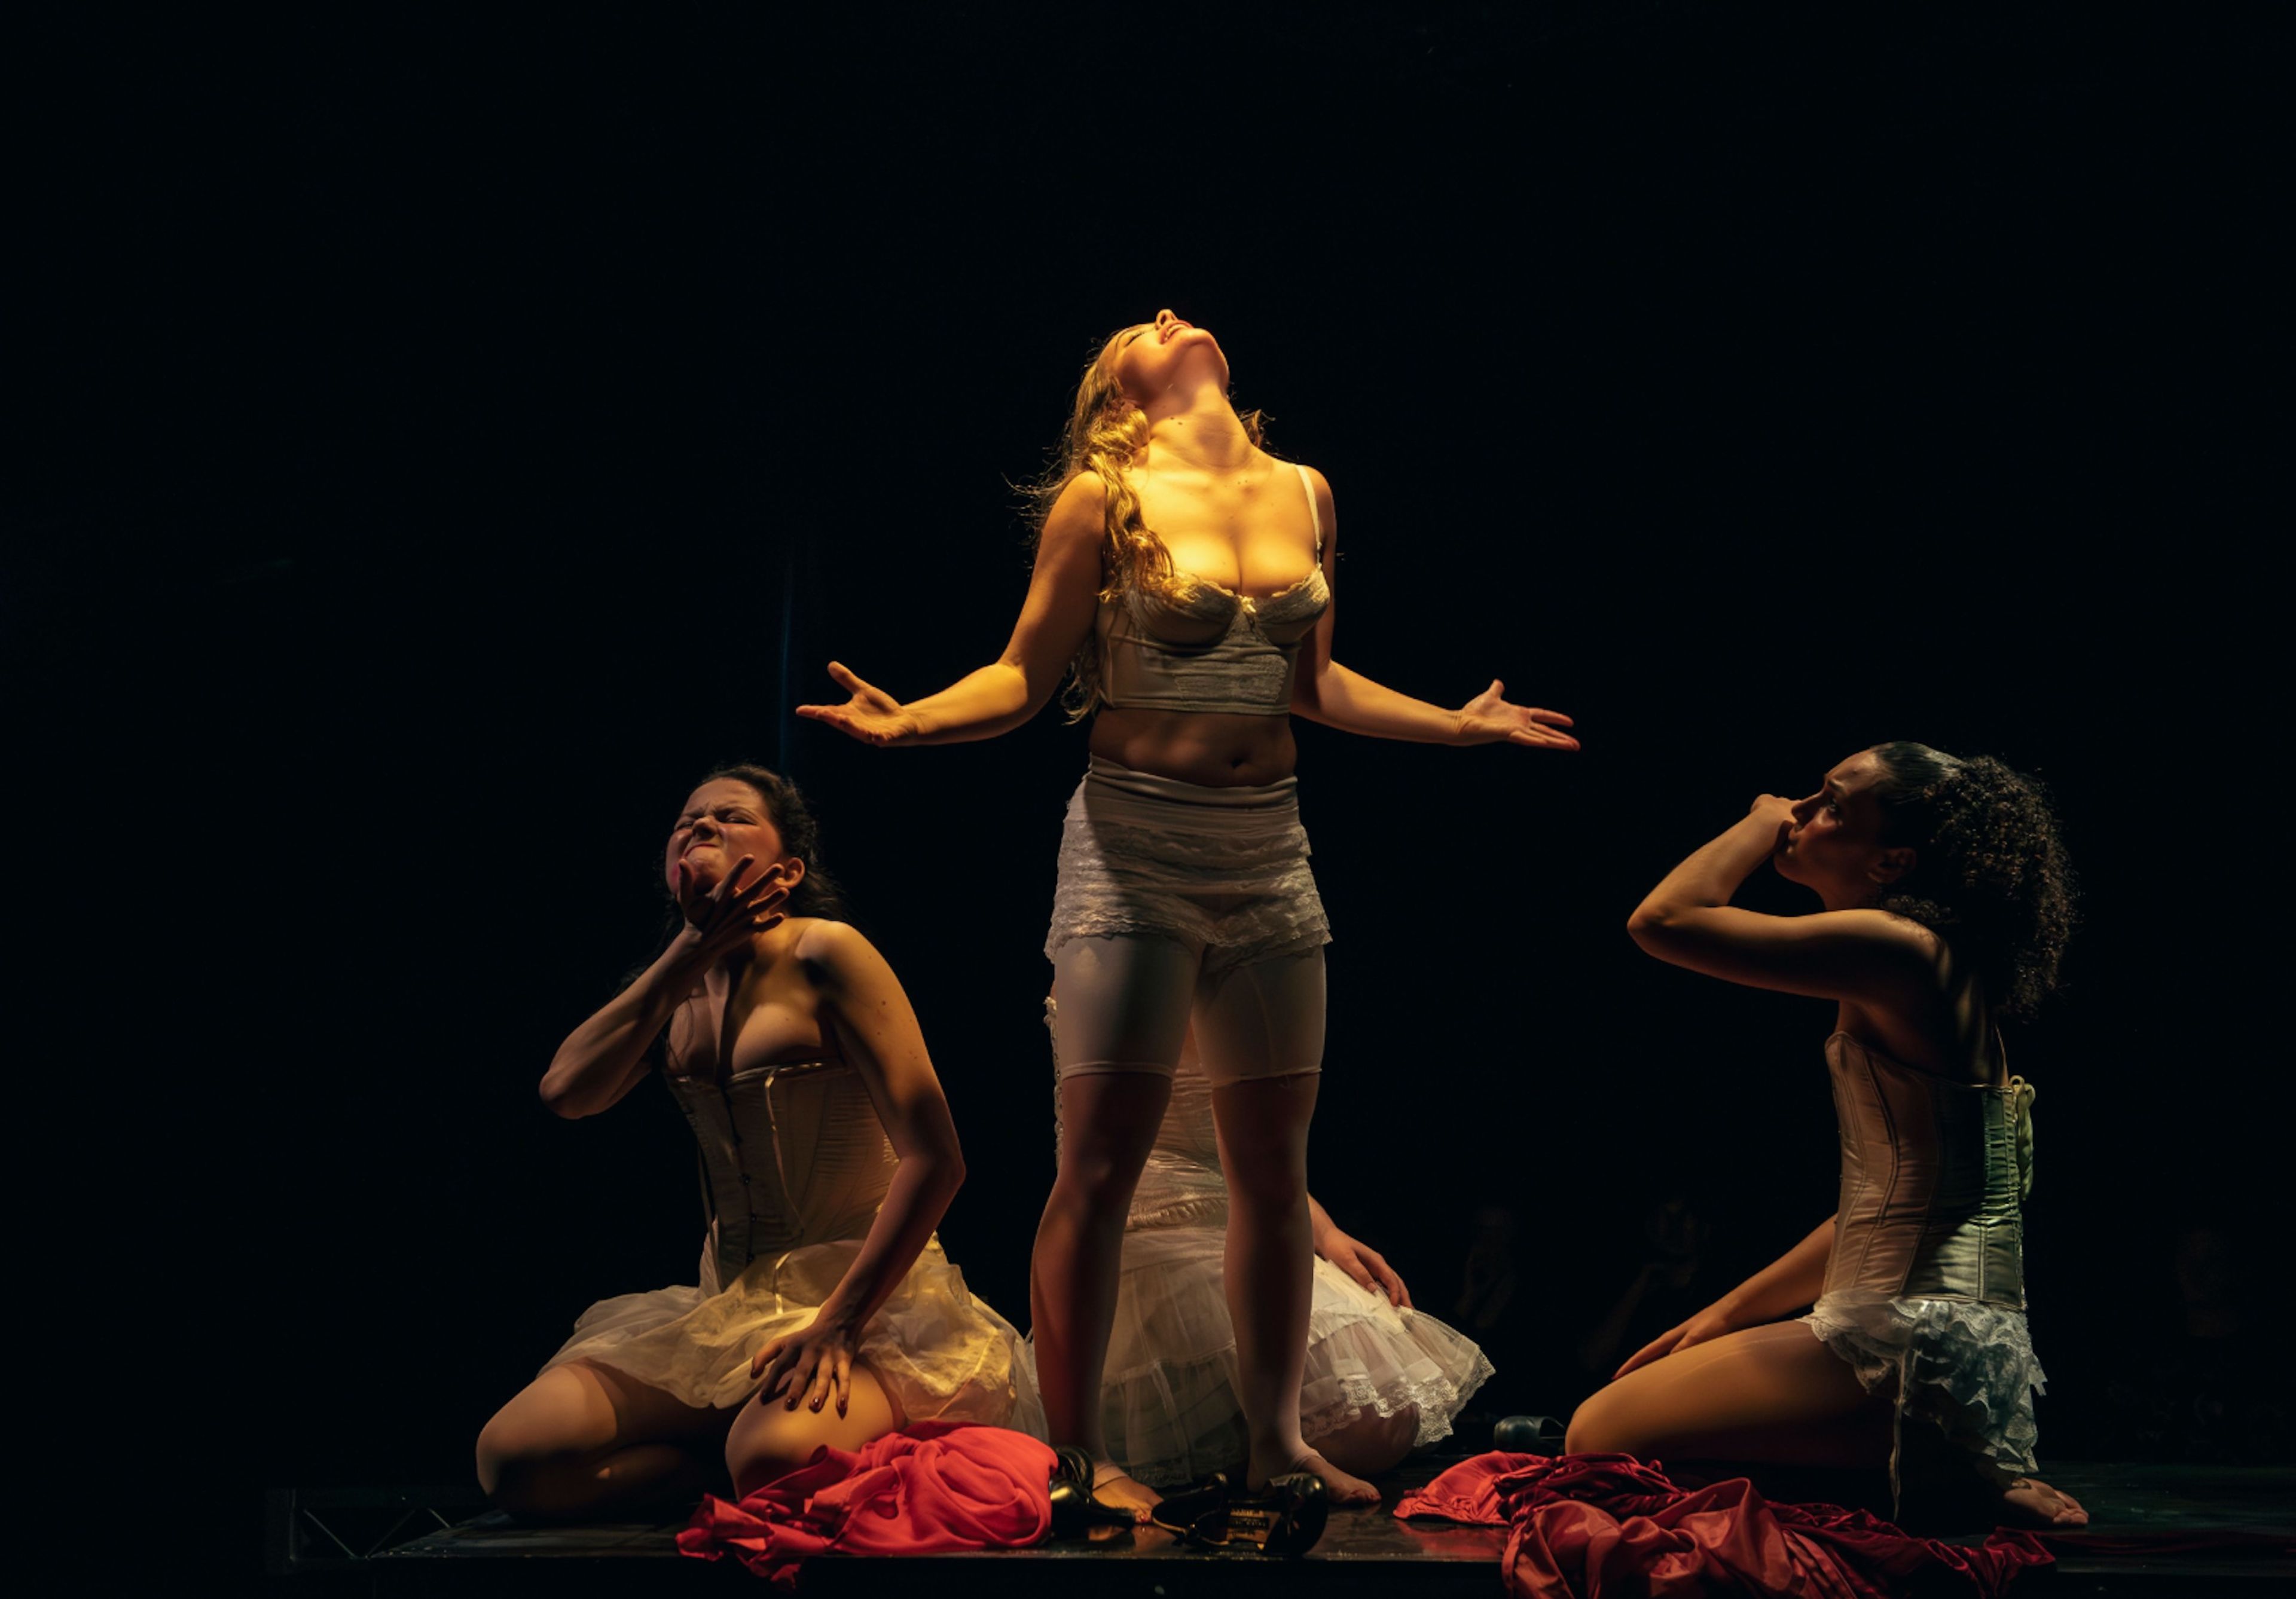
1989,867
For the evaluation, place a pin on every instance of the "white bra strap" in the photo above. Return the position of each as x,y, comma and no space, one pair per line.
1314,515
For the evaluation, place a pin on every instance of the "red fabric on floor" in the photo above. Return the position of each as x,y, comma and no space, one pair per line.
1587,1526
932,1488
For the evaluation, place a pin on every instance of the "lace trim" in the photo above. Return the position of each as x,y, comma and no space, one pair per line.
1439,1402
1967,1368
1157,879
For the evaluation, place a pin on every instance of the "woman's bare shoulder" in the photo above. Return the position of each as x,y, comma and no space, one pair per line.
1079,511
827,945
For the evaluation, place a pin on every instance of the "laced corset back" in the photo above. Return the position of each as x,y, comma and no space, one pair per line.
1929,1184
791,1154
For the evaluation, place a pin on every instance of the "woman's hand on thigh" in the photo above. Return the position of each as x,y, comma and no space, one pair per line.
814,1366
1711,1322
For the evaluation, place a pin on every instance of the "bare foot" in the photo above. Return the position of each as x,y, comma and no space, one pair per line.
1343,1489
2030,1502
1112,1485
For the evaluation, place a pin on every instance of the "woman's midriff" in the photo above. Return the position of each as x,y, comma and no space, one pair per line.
1216,748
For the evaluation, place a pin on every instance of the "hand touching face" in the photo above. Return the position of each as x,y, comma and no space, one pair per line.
1832,838
722,821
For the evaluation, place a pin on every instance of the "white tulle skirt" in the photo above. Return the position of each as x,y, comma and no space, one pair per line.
1168,1398
1965,1368
942,1354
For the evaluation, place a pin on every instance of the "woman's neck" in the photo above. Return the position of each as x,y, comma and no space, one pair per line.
760,956
1197,427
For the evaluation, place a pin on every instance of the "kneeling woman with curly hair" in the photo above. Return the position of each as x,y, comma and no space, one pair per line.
1946,903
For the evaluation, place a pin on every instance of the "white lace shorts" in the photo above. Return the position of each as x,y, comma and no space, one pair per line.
1221,871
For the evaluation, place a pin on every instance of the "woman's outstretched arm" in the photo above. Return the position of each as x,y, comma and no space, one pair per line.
864,1006
1791,1281
1325,691
1063,598
1867,957
605,1057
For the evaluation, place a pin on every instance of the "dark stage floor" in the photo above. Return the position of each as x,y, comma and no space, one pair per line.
2252,1509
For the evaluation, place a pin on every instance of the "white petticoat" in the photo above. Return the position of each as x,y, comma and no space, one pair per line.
1168,1396
1967,1368
943,1354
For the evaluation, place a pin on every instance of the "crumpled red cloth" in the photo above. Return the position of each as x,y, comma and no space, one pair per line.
932,1488
1592,1526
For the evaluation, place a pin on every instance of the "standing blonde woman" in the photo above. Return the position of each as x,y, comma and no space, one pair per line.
1184,582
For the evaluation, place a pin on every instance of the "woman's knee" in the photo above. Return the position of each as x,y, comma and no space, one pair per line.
1096,1183
549,1419
1263,1135
778,1442
518,1468
1273,1185
496,1454
769,1441
756,1454
1597,1427
1372,1443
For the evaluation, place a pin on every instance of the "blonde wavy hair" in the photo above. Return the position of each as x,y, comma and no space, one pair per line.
1106,432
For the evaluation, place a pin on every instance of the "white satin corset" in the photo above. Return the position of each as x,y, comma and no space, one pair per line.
1929,1184
791,1154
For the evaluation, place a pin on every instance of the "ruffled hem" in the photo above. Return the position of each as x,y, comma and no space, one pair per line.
1168,1400
1967,1368
1233,880
944,1355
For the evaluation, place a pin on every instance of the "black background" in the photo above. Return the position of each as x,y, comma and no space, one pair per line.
439,442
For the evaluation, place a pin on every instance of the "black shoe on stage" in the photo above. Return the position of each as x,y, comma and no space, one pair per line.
1197,1515
1528,1435
1286,1517
1074,1511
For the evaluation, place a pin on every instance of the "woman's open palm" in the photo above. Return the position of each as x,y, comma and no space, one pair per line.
872,715
1488,719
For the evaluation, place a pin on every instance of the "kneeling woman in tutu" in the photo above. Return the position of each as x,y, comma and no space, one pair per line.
1947,900
826,1312
1381,1379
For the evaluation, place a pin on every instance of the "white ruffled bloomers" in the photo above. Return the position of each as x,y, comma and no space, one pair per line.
1967,1368
1168,1395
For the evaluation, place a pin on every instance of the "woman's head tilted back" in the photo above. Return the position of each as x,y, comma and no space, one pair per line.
748,810
1965,846
1107,433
